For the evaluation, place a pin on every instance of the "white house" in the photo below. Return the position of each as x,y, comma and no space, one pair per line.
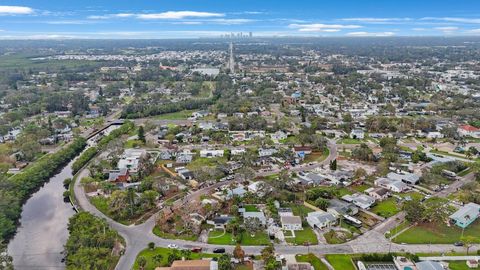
266,152
357,134
210,153
131,159
237,151
361,200
291,223
392,185
279,135
468,131
320,219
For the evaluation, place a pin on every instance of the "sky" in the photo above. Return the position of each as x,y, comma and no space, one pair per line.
145,19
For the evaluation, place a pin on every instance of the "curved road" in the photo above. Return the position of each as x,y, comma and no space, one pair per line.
137,237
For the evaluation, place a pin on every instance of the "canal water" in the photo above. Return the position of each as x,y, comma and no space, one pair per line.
43,232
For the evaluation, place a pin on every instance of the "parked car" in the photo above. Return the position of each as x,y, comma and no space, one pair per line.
458,244
196,249
218,250
172,246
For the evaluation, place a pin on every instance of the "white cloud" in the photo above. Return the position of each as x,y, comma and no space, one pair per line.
447,28
371,34
15,10
376,20
320,27
231,21
176,15
453,19
419,29
473,31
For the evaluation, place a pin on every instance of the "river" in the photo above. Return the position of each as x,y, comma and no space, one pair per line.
39,241
42,234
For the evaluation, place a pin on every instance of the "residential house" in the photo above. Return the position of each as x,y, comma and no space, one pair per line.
321,220
279,135
361,200
392,185
468,131
184,157
302,151
260,215
466,215
379,193
407,178
341,208
120,175
220,221
357,134
192,265
131,159
211,153
237,151
266,152
185,174
291,223
283,212
200,114
238,191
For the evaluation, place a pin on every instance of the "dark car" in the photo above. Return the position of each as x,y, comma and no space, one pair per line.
218,250
458,244
196,249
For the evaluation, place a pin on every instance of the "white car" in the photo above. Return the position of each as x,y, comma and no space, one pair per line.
173,246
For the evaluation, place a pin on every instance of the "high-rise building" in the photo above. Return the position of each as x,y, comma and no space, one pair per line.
250,34
231,62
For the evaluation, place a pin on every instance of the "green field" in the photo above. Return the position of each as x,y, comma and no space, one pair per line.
149,255
313,260
334,237
340,261
259,239
22,61
437,234
459,265
218,237
251,208
349,141
181,115
386,208
304,236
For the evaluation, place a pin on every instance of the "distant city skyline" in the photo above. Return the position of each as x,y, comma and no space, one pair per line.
56,19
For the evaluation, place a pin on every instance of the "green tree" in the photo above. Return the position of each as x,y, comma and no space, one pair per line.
224,262
141,134
142,262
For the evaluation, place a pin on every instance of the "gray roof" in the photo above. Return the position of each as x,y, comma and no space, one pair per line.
429,265
467,212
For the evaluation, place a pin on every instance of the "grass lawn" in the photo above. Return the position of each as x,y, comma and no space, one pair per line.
161,234
349,141
438,234
181,115
300,210
251,208
334,237
386,208
259,239
459,265
164,252
313,260
202,162
340,261
133,143
217,237
317,156
304,236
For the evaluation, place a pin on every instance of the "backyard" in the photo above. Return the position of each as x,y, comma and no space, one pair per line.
386,208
